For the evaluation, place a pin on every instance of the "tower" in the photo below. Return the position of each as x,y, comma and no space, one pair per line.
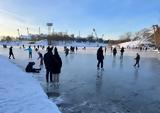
27,31
49,28
94,30
39,31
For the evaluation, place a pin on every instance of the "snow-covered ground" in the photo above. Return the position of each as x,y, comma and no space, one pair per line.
20,92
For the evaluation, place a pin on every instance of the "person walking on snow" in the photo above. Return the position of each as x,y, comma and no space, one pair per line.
11,53
137,60
100,57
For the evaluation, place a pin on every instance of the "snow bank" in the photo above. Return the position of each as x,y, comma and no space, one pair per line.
132,44
21,93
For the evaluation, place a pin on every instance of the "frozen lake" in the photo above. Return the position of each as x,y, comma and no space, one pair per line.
120,88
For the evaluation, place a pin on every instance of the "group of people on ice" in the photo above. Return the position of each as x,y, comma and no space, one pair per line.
53,62
100,56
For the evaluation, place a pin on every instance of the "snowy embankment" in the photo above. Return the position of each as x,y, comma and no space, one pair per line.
133,44
21,93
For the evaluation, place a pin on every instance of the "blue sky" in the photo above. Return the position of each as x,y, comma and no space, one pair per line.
109,17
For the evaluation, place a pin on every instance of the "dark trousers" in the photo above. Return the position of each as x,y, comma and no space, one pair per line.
41,61
121,56
137,63
100,62
11,54
48,75
30,54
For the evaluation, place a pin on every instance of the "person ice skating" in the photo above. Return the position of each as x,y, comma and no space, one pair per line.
49,47
114,52
111,48
137,60
105,49
57,66
30,51
100,57
23,46
41,58
29,68
122,51
36,49
76,48
66,51
11,53
42,47
48,61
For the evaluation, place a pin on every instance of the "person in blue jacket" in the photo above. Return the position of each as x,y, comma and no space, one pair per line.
30,51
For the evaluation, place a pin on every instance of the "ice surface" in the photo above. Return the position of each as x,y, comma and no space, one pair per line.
120,88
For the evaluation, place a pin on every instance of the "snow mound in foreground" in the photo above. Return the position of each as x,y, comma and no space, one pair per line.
21,93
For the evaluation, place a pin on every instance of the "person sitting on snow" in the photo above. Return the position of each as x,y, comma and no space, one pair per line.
29,68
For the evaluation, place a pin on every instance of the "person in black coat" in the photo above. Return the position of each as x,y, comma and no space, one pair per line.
122,51
66,51
58,64
11,53
48,61
114,52
100,57
29,68
137,60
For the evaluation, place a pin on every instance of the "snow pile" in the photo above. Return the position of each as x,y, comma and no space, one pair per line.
142,37
133,44
21,93
130,44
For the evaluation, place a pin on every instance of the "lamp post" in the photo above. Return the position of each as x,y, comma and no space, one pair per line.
18,33
94,30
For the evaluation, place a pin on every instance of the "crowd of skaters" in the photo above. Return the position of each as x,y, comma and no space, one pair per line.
100,56
53,62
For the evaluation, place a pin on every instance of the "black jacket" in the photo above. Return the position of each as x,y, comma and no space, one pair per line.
48,60
10,50
52,63
29,67
100,54
58,64
137,58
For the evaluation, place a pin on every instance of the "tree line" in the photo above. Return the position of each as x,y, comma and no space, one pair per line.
65,37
